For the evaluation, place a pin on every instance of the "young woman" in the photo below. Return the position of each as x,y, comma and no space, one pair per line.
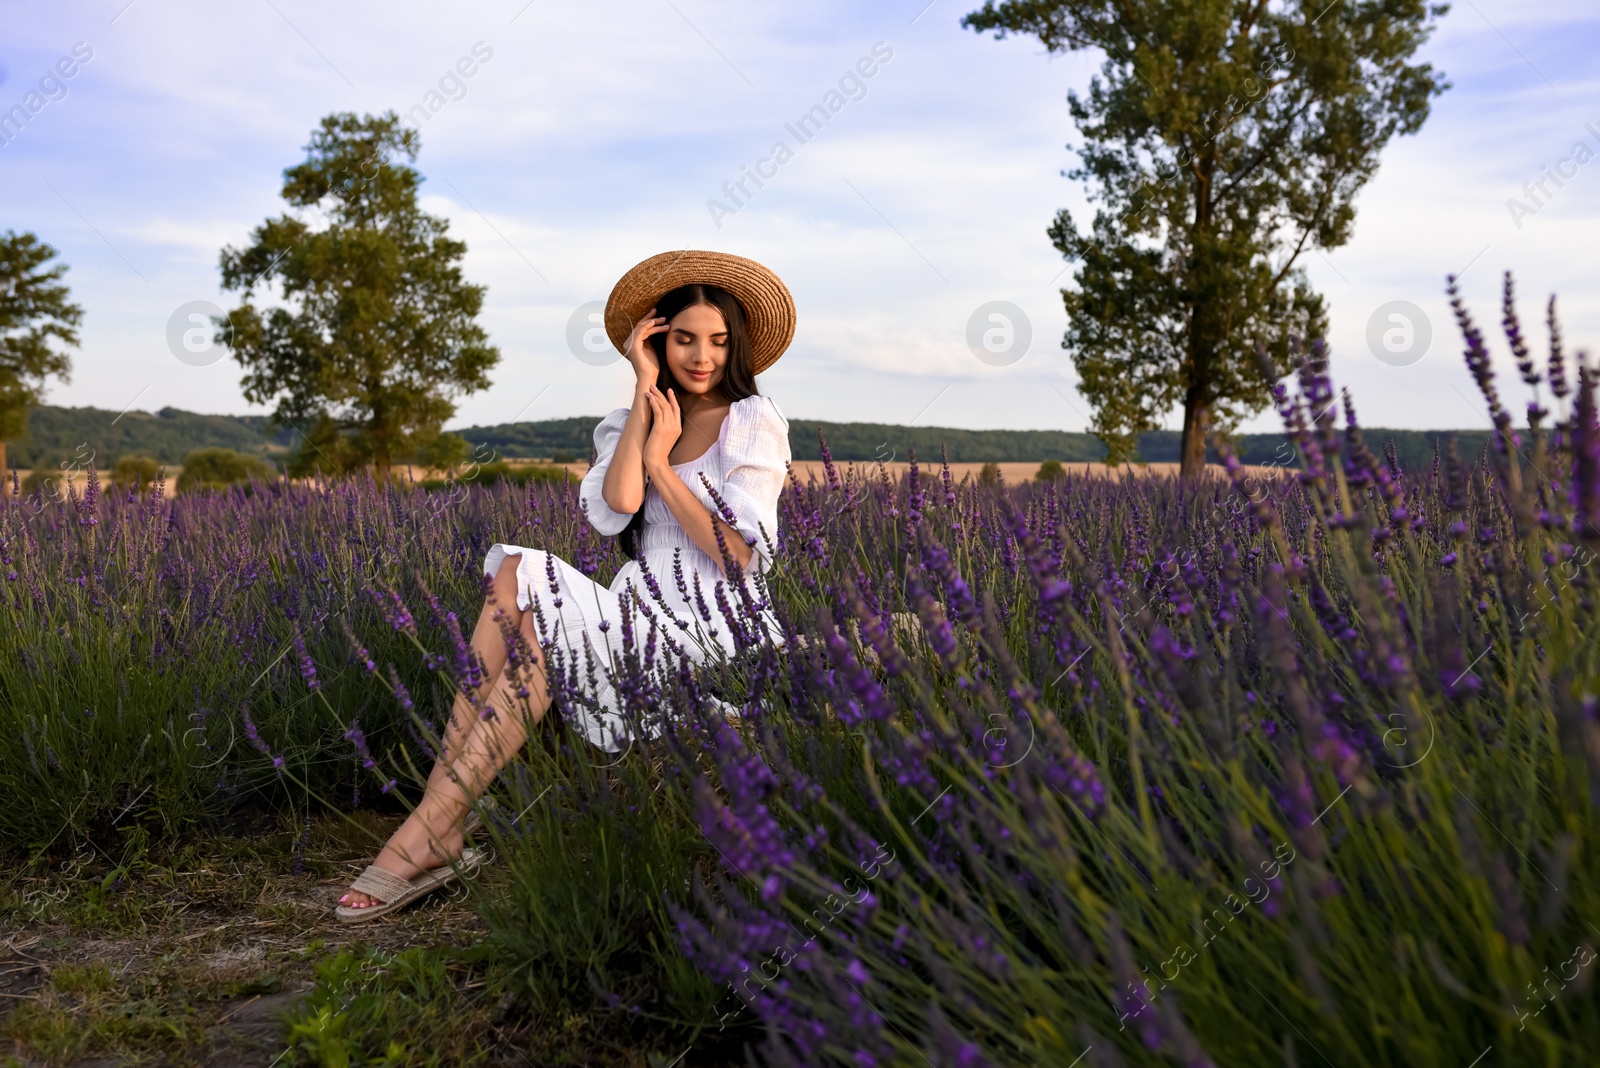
697,327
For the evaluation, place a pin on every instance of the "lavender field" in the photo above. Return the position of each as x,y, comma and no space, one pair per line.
1294,770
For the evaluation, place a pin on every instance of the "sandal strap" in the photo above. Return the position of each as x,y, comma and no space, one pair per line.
384,885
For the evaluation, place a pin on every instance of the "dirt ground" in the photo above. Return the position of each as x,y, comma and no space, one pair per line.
191,960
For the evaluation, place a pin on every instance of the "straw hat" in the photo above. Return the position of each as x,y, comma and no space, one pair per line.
768,307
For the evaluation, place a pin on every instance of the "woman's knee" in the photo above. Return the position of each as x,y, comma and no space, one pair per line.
505,580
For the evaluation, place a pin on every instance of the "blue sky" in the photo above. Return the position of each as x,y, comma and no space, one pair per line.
596,132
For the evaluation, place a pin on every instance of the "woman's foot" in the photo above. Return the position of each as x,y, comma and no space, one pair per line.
411,850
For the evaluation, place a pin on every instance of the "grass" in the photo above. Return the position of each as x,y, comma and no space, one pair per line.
193,952
221,949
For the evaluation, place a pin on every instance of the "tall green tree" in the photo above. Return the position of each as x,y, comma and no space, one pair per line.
1222,141
379,334
36,315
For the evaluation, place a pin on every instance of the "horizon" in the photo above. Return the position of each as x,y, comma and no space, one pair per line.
931,426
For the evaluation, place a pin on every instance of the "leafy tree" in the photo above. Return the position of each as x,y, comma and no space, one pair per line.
380,332
1223,140
34,312
1049,471
205,469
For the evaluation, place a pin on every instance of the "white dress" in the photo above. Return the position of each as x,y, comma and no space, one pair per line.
584,620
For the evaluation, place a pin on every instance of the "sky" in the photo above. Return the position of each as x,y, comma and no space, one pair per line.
592,135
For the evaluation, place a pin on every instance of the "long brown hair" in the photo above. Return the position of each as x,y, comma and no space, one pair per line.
738,381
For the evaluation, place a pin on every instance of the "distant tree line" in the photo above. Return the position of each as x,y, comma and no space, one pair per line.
171,434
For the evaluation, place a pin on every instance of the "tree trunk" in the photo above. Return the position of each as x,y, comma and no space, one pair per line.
5,481
1204,331
1193,447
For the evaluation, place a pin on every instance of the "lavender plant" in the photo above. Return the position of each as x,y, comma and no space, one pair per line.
1259,774
156,648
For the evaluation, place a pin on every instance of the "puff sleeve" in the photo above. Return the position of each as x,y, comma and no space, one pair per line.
756,456
601,515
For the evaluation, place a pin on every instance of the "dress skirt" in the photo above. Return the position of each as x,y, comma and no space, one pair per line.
581,622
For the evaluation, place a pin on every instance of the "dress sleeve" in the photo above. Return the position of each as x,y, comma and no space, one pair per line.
601,515
757,458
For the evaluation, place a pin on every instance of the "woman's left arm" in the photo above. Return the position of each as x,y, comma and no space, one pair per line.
695,519
756,456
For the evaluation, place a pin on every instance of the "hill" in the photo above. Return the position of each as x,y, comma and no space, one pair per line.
55,433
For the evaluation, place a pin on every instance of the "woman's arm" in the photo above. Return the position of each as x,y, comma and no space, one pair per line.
696,520
693,516
623,488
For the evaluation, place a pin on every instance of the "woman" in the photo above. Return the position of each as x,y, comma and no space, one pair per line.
697,327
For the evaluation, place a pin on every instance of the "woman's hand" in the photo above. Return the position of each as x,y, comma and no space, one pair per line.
646,365
666,426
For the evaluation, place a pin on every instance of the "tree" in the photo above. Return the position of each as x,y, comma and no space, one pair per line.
380,333
1222,141
34,313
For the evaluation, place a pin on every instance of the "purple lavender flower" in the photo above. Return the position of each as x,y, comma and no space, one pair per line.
308,670
1558,371
254,738
358,739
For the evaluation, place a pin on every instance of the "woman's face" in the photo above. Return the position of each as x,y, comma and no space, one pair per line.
697,348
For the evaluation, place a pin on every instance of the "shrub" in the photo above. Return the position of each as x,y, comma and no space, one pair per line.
1049,471
499,471
47,483
205,469
135,470
989,475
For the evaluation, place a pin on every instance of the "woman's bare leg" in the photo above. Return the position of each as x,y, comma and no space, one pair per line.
475,747
518,701
489,643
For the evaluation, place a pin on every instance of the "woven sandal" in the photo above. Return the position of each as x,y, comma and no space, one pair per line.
394,892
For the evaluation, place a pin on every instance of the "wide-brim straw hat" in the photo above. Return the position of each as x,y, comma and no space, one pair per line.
768,306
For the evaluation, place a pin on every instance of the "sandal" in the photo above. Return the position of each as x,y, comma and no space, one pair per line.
394,892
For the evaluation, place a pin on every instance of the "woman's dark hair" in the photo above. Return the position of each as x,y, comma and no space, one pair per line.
738,381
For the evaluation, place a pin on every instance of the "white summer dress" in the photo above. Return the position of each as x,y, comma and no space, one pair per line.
746,466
